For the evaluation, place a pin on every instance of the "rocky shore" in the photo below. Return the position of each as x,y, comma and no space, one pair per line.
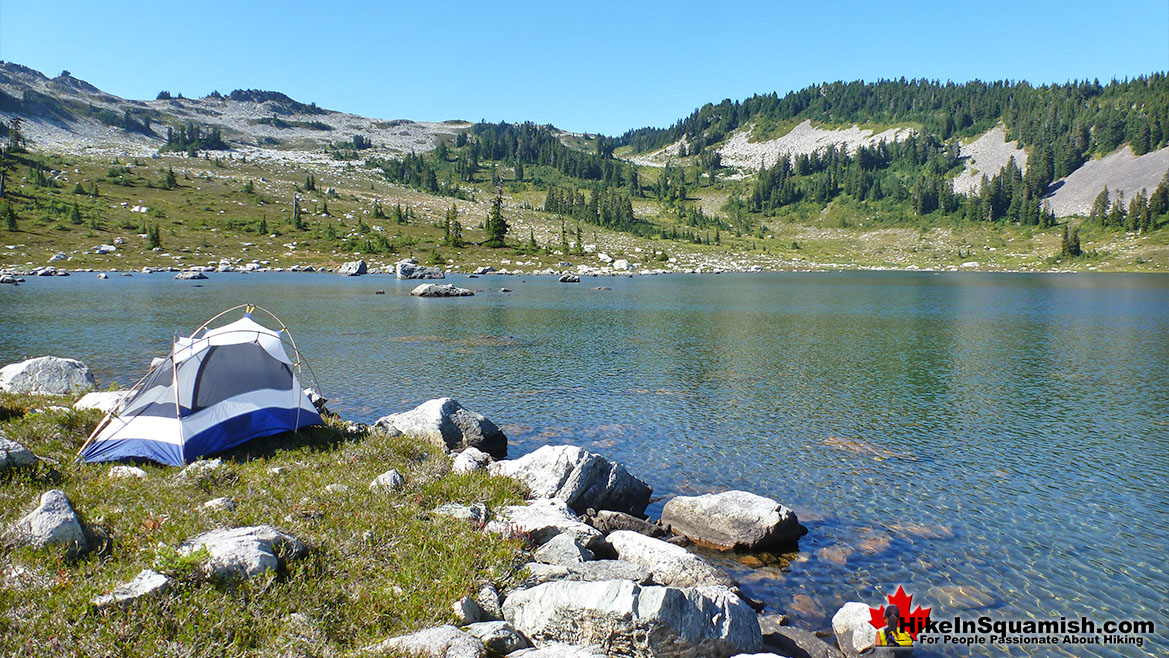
600,578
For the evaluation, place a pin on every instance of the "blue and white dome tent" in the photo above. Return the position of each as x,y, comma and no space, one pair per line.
218,388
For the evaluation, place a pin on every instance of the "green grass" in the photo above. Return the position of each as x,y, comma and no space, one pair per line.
354,590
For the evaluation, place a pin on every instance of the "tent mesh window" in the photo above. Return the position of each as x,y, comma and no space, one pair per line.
230,370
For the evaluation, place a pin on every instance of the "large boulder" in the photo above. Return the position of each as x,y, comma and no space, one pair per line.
449,425
46,375
440,290
732,520
354,268
580,478
541,520
14,455
243,553
853,630
410,269
671,565
52,523
439,642
103,401
628,619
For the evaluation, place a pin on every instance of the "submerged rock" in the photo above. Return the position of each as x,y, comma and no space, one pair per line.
52,523
449,425
46,375
732,520
628,619
582,479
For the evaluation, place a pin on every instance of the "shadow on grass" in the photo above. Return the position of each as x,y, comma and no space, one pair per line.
317,438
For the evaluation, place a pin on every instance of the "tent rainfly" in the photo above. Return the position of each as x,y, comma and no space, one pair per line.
218,388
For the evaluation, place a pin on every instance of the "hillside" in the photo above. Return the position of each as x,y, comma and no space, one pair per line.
258,180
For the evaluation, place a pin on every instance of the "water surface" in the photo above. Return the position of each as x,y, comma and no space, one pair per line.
1004,433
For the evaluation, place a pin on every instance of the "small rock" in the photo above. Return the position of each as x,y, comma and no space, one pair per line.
242,553
221,504
594,571
336,488
475,513
853,630
146,583
440,642
470,459
410,269
737,520
190,276
198,471
488,600
391,480
449,425
104,401
560,650
354,268
499,637
14,455
126,472
671,565
52,523
276,470
562,549
569,278
46,375
443,290
543,519
607,521
582,479
467,611
791,641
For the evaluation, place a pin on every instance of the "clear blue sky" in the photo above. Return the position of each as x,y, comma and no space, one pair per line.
585,66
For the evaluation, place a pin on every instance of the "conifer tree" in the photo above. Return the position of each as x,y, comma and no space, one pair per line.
496,225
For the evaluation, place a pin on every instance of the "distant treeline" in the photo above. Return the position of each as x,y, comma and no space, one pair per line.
1074,121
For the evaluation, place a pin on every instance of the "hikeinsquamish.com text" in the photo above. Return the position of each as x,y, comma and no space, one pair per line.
1082,631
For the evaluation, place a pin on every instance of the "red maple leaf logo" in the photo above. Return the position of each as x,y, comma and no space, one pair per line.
911,622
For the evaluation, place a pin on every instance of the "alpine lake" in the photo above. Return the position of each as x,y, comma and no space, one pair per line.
998,444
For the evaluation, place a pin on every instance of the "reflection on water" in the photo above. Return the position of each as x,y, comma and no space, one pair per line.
989,441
